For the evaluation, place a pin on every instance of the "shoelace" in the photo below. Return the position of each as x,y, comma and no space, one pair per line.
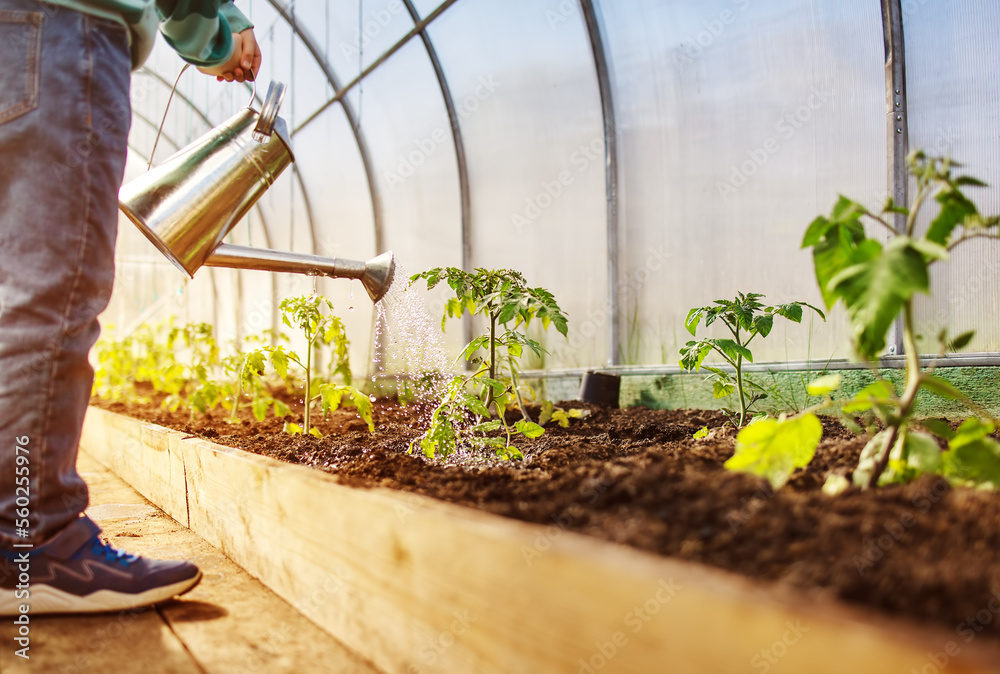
101,549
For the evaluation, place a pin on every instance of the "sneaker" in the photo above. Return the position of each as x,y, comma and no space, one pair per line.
77,573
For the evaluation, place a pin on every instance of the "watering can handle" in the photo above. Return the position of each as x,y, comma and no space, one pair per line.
253,97
269,113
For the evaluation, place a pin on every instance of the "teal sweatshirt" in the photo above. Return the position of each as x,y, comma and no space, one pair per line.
201,31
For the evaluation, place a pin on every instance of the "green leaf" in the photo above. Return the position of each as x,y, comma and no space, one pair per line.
693,318
877,392
970,431
561,417
732,350
976,462
969,181
281,409
331,397
816,231
762,324
874,290
837,249
487,427
529,429
823,385
693,354
259,407
476,405
702,433
943,388
546,414
722,389
498,387
279,359
922,452
955,208
961,341
792,312
938,427
931,250
363,406
773,448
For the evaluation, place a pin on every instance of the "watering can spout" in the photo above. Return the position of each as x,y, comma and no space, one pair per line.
376,275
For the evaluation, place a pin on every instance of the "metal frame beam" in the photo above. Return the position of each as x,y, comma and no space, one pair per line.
341,92
460,157
310,44
897,130
598,42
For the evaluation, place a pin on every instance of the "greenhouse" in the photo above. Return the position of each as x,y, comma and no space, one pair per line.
558,336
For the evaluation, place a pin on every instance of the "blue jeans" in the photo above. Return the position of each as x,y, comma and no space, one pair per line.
64,122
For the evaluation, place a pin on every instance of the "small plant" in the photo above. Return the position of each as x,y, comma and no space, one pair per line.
140,358
201,391
745,318
503,298
248,372
560,416
877,284
319,327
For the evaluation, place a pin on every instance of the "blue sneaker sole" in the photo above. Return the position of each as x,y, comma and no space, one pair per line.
47,600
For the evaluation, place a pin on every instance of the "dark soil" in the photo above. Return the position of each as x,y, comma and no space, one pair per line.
635,476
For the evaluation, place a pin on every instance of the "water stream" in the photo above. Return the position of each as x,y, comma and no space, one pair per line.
410,356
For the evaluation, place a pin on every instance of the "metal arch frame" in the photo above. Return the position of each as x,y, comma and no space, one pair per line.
341,92
311,45
598,42
464,187
897,128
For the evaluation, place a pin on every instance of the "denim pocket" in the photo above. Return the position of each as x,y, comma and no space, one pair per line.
21,40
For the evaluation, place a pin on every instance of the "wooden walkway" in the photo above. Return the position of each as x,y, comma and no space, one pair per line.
229,624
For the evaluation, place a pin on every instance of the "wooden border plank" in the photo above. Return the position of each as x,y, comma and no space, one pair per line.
416,585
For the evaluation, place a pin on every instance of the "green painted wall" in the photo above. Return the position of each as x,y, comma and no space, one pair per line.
787,390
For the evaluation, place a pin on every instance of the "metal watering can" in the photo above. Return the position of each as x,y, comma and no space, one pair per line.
190,202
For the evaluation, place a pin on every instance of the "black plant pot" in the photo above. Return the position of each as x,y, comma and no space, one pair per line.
601,389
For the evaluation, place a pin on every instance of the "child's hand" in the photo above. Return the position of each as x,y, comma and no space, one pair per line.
246,58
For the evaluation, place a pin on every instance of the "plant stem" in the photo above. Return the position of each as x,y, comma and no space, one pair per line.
493,357
516,387
914,378
309,355
739,387
239,391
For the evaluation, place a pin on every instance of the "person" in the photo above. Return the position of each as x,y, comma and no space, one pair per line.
64,123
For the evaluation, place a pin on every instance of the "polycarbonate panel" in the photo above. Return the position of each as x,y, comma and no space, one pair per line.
406,126
287,60
527,95
332,171
426,7
953,98
349,45
739,122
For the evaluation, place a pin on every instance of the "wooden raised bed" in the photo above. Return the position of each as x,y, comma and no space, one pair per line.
416,585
